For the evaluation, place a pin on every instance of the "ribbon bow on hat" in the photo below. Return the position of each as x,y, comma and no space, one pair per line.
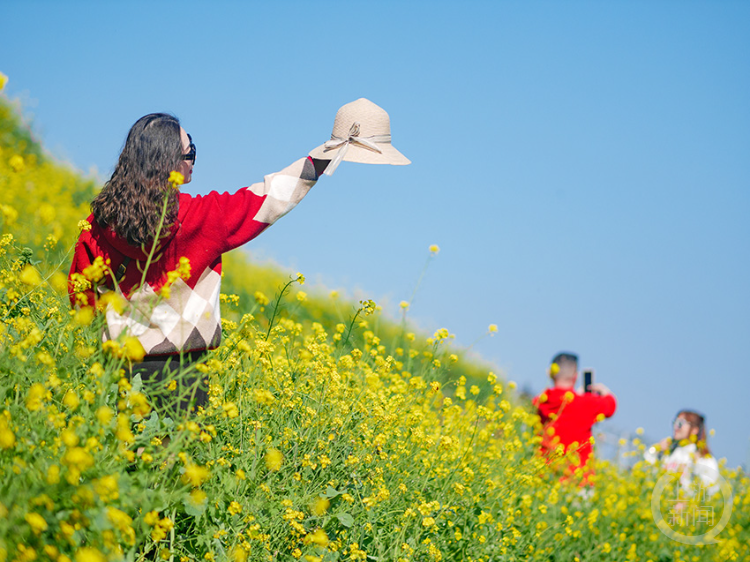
361,133
353,138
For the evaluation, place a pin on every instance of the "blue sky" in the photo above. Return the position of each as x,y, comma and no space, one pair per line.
583,166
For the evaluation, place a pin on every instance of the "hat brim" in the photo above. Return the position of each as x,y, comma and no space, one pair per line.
388,154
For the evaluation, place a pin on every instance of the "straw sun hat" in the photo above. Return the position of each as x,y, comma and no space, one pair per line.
361,133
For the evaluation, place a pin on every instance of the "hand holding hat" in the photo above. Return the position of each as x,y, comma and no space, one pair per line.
361,133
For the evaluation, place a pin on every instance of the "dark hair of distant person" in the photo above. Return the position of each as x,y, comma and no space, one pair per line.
567,364
131,202
698,428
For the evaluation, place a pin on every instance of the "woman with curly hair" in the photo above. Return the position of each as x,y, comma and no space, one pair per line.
158,251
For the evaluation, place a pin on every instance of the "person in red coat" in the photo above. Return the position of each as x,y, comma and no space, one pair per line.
160,250
150,256
567,416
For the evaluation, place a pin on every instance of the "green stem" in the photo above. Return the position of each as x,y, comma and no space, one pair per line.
171,535
351,326
156,237
276,307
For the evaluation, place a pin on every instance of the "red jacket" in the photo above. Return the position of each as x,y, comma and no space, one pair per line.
571,422
187,317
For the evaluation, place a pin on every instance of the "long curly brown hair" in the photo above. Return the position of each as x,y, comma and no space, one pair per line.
131,201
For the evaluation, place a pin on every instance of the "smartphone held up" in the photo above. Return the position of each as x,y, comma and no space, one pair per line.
588,379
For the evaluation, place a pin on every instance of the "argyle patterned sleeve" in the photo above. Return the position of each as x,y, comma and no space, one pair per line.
245,214
187,317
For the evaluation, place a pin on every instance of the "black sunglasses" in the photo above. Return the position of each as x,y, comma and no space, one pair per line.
190,156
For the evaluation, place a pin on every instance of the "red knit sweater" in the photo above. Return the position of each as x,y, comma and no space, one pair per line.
568,423
188,317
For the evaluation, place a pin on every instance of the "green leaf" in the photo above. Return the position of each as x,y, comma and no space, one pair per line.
332,492
136,383
193,509
345,519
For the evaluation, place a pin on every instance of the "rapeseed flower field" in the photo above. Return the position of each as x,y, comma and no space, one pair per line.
331,432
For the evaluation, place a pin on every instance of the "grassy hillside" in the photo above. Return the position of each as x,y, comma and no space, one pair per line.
331,434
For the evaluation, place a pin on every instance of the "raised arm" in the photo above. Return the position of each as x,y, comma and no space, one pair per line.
245,214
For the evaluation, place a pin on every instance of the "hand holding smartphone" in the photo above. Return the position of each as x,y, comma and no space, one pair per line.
588,379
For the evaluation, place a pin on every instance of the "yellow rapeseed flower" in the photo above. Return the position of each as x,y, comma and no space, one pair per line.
176,179
274,459
104,414
16,162
107,487
3,81
195,475
78,458
434,249
132,349
139,404
121,520
113,299
69,437
318,537
53,474
151,518
368,306
7,437
123,432
71,400
84,316
59,282
238,554
184,268
34,396
89,554
230,410
30,276
198,498
234,508
320,506
36,522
